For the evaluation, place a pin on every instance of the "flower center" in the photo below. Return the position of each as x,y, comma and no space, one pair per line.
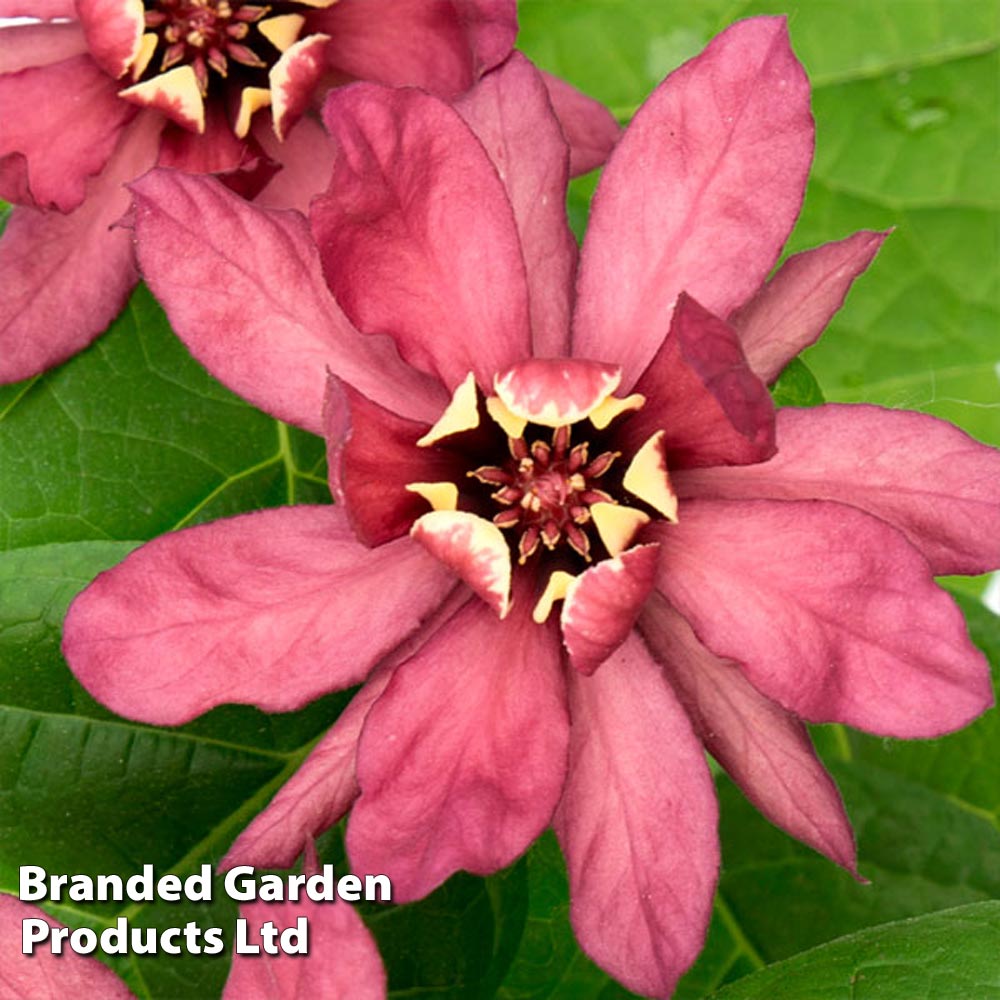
547,491
211,36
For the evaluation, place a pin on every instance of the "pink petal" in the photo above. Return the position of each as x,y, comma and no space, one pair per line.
343,962
293,81
26,45
766,750
699,194
922,475
75,123
510,112
271,608
306,158
791,311
701,393
828,610
243,289
590,129
42,975
440,45
463,758
555,391
323,788
637,824
417,236
67,276
603,603
113,29
42,9
241,165
372,464
473,548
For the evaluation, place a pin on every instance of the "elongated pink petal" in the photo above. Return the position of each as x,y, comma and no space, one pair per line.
766,750
243,289
374,461
113,29
791,311
75,123
590,129
323,788
701,393
26,45
42,9
342,961
828,610
509,111
239,164
67,276
922,475
699,194
42,975
417,236
271,608
637,824
306,159
440,45
603,603
463,758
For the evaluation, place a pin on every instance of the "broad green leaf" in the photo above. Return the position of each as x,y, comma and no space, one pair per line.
942,956
132,438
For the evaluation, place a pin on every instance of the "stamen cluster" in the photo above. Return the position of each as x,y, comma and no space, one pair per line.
209,35
547,491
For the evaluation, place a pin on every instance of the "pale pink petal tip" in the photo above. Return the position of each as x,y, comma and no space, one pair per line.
474,548
555,391
114,29
602,603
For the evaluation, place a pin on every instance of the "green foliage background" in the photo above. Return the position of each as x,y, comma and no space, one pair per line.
132,439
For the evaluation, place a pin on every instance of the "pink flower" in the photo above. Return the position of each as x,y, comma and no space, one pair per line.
219,88
343,961
574,540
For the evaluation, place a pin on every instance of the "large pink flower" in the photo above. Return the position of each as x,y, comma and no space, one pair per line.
207,87
574,541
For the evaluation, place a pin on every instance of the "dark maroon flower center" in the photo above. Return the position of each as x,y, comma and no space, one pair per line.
547,491
217,38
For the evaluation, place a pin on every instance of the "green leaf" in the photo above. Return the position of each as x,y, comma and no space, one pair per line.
132,438
942,956
796,386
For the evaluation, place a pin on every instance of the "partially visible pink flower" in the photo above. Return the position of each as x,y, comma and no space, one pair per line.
93,101
44,976
342,964
574,541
